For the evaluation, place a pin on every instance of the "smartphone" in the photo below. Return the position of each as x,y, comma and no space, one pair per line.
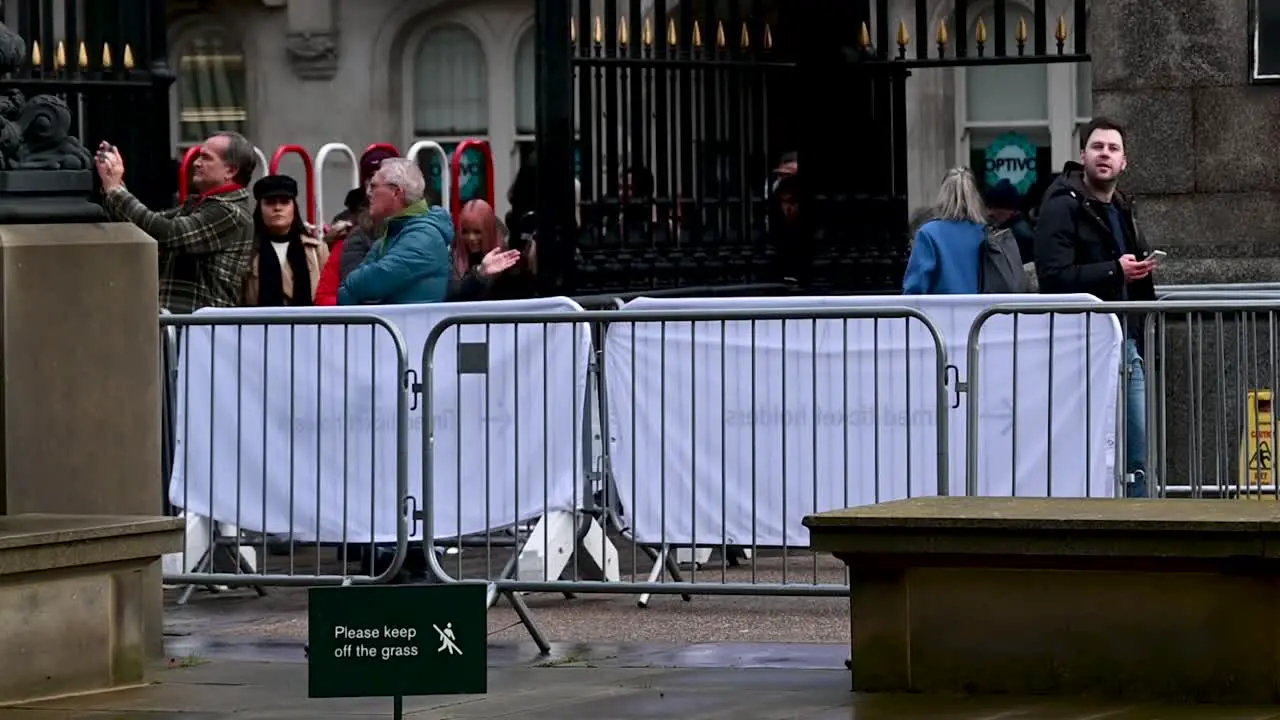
1157,255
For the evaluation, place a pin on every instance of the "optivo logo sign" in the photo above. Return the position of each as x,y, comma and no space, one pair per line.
1011,157
800,416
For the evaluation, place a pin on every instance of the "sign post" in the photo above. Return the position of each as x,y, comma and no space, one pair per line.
397,640
1255,447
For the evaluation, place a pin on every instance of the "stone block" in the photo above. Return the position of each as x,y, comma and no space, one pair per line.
1142,45
1159,133
1061,596
80,602
80,369
1212,225
1237,138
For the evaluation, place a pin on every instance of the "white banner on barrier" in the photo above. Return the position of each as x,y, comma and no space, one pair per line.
737,445
290,430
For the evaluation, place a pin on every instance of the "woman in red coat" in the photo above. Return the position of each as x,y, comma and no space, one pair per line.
336,236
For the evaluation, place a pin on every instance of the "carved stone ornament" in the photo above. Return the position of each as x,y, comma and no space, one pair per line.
313,55
45,172
35,133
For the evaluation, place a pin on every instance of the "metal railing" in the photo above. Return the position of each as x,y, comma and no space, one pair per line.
259,512
581,452
736,489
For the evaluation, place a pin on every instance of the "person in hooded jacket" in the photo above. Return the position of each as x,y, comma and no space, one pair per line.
410,263
286,267
1005,205
1087,240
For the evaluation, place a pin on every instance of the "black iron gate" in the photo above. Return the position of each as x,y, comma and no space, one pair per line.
678,121
109,60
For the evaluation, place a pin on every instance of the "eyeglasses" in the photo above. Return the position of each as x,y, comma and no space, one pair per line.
375,185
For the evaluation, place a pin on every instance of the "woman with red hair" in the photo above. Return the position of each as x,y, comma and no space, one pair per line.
483,267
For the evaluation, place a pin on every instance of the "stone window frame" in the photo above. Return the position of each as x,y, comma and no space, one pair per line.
1255,76
182,34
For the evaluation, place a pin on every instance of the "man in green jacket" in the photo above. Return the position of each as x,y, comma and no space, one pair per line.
410,262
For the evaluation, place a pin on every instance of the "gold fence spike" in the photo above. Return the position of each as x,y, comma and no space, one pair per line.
942,32
106,56
573,30
82,58
720,41
697,34
597,30
646,35
60,56
745,39
1021,35
904,37
980,32
36,58
623,35
1061,33
864,37
128,57
672,37
768,37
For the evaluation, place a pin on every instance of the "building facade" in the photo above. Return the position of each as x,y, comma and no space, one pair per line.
309,72
1195,83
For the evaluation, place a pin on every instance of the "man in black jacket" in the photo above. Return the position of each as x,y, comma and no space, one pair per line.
1087,241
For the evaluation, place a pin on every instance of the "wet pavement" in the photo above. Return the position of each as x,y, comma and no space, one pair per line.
236,655
239,679
596,618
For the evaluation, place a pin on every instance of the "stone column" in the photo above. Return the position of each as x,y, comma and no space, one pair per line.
79,342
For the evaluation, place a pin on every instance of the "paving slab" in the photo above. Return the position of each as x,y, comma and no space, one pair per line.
242,690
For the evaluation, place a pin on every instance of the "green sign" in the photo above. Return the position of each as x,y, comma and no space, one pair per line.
471,171
1011,157
397,640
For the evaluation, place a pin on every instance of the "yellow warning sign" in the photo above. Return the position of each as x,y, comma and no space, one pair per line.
1256,469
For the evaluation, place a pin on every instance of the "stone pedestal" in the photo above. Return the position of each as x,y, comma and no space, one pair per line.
80,602
80,370
1143,599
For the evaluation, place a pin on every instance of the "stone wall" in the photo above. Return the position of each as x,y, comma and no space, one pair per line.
1203,142
1202,148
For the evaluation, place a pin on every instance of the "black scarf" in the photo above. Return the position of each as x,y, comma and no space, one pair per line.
271,276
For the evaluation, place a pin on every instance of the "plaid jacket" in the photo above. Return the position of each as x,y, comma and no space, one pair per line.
204,246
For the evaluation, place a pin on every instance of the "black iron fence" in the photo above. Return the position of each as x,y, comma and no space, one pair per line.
108,59
677,121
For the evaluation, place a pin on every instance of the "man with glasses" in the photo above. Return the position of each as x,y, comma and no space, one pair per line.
410,262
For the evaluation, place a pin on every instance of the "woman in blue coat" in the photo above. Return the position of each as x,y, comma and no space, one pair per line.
946,255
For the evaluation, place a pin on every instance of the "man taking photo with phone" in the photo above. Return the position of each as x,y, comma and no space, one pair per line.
205,244
1088,241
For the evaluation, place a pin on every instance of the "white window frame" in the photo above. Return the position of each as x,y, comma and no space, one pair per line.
1081,120
1255,76
409,68
1063,119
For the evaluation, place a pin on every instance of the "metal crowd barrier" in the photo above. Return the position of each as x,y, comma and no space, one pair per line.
577,536
1206,360
256,525
1211,370
227,564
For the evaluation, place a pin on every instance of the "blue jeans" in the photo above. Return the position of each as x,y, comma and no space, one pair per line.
1135,436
